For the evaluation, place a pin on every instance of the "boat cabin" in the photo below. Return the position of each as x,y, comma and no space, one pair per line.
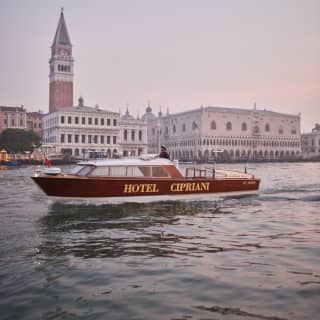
156,168
133,168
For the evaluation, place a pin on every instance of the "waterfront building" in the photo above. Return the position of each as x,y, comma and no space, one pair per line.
34,122
76,130
311,144
13,117
226,134
19,118
61,69
153,130
133,135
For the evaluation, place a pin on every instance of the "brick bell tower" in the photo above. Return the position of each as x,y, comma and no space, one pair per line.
61,69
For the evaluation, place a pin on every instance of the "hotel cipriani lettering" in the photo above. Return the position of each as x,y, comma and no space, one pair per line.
174,187
140,187
190,186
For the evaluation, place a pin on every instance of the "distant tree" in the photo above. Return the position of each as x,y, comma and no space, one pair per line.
19,140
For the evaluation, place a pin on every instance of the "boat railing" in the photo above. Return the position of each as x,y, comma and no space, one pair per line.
220,173
194,172
200,172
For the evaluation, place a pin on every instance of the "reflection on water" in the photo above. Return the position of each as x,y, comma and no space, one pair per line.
115,230
161,229
124,216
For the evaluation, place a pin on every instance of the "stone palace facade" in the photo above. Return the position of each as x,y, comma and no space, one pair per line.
227,134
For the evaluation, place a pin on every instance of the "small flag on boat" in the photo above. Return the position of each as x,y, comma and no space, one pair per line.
47,162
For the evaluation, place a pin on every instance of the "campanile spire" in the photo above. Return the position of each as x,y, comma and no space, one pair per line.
61,69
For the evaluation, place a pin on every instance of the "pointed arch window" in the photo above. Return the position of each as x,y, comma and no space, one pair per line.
267,127
244,126
125,134
194,126
213,125
174,128
229,126
184,127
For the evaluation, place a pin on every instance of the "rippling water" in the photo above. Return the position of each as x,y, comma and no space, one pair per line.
254,257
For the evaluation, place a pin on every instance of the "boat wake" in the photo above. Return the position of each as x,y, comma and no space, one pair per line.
309,193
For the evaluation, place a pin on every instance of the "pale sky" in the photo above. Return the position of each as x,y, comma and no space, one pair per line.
179,54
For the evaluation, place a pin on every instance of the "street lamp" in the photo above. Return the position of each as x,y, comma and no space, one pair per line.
196,145
158,134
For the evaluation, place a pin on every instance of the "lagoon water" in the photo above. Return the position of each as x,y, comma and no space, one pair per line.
255,257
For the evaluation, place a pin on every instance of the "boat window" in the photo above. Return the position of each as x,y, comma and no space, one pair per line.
100,172
118,171
134,172
159,172
146,171
75,169
81,170
85,170
130,171
124,171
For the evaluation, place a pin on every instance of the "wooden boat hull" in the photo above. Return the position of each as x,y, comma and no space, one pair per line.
93,187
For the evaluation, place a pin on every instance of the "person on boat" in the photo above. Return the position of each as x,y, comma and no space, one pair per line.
164,153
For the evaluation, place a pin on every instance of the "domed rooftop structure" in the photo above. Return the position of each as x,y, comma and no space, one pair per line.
148,109
148,116
127,116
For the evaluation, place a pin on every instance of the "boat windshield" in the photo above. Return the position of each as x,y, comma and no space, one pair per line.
81,170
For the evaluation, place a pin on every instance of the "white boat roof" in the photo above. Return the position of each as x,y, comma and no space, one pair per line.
141,161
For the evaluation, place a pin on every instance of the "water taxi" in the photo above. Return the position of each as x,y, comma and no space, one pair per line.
143,179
